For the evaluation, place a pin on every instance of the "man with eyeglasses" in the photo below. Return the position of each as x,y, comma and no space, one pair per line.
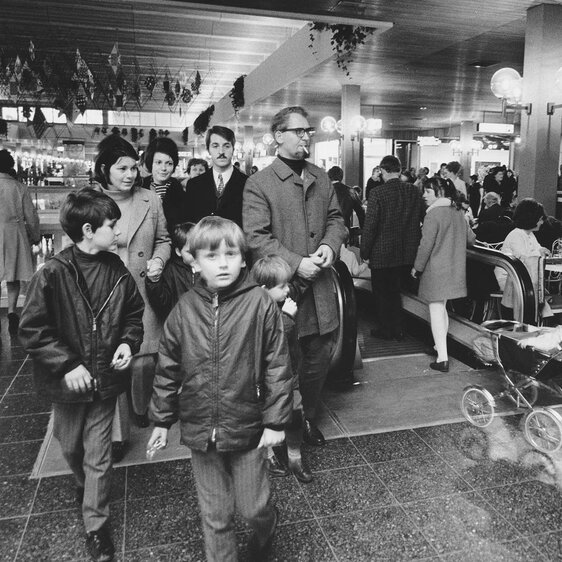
290,209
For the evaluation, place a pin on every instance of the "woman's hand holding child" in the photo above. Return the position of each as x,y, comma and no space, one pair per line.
122,357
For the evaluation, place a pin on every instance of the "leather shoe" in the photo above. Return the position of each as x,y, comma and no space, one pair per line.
99,545
380,334
300,470
275,467
442,366
118,450
257,553
311,434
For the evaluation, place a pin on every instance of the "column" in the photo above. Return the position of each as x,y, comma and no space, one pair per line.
540,133
466,137
351,142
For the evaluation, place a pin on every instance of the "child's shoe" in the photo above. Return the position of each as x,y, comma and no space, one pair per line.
275,467
99,545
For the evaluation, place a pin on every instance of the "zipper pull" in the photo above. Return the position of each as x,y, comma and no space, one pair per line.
215,300
94,325
214,435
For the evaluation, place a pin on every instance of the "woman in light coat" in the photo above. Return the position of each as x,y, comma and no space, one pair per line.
441,260
19,228
144,247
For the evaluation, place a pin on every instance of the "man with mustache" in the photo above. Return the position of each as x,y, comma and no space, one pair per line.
219,190
291,210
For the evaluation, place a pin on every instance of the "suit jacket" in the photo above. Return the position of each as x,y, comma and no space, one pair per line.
349,203
290,216
392,225
201,198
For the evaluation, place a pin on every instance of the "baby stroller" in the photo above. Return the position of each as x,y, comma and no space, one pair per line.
525,370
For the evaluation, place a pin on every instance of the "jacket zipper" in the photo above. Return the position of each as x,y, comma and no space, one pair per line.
93,338
215,305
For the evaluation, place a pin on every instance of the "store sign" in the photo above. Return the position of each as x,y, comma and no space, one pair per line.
429,141
500,128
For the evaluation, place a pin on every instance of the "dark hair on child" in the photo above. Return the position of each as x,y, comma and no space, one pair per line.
209,232
271,271
86,206
443,188
180,236
6,161
196,162
528,213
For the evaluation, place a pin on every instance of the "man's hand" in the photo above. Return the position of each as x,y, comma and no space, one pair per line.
308,270
158,440
79,379
122,357
324,256
154,269
271,438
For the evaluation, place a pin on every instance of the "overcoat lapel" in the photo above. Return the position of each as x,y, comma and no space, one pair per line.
140,208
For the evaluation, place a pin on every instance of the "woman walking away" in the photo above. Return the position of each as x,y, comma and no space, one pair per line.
441,260
19,228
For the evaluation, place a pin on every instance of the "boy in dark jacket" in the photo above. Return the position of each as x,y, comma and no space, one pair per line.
177,277
273,274
81,324
223,371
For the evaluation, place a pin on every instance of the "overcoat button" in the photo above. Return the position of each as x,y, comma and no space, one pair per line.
142,273
312,234
141,254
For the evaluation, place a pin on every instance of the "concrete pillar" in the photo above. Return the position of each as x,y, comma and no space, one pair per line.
540,133
351,142
466,138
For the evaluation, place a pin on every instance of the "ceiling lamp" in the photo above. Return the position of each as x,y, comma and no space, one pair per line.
373,125
328,124
551,106
357,123
267,139
455,147
507,84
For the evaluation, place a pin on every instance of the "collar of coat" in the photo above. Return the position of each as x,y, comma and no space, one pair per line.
441,202
284,172
241,285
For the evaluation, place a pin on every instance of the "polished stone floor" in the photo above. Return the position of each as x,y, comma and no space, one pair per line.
447,492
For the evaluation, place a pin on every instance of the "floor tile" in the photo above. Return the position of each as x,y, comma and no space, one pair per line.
193,551
18,458
345,489
385,533
159,478
60,535
21,404
23,384
5,382
549,544
58,492
289,497
459,522
516,551
14,352
337,453
16,495
9,368
161,520
531,507
11,531
390,446
419,477
23,428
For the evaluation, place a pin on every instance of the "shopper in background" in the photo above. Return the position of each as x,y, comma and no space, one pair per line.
19,228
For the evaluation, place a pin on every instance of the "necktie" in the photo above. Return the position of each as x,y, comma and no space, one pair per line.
220,187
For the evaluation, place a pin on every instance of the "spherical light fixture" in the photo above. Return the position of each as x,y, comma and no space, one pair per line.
328,124
357,123
267,139
505,82
373,125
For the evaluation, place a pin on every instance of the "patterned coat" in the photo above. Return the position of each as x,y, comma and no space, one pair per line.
291,216
391,233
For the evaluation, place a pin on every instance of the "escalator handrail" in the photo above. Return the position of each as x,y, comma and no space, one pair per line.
523,292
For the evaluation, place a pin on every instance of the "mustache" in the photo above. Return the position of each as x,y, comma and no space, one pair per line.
221,156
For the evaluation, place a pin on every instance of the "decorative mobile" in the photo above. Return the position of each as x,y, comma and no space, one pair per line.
114,58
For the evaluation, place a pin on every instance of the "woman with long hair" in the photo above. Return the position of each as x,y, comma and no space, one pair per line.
441,259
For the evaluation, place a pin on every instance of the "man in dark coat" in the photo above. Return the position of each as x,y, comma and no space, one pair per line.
348,201
291,210
219,190
391,236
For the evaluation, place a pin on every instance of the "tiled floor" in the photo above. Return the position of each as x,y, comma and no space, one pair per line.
448,492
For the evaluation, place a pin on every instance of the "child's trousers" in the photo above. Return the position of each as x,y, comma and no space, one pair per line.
84,433
223,481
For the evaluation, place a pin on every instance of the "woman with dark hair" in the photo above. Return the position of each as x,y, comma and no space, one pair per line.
160,159
522,244
493,181
452,169
144,247
441,259
19,228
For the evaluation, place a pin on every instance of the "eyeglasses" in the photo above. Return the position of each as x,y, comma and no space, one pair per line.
300,132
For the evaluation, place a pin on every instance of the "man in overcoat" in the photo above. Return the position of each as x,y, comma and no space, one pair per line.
290,209
391,235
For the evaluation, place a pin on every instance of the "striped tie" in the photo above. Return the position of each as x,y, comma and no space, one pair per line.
220,187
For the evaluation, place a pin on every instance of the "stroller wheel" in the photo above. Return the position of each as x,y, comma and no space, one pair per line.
478,406
543,429
527,386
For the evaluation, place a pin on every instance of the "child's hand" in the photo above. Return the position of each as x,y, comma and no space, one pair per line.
79,379
289,307
122,357
158,440
154,269
271,438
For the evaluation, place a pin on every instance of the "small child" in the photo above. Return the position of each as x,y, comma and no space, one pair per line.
273,274
223,372
177,277
81,324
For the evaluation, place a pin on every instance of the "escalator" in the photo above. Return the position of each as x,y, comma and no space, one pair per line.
466,315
